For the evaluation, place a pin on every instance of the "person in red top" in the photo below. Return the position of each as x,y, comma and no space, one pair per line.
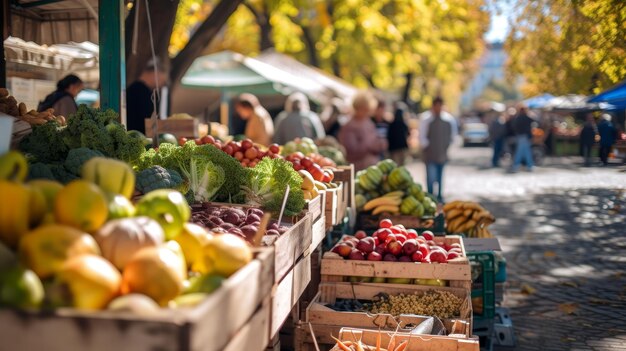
359,136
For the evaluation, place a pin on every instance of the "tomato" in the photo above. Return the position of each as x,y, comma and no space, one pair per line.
261,154
316,172
252,164
245,162
207,139
198,141
298,155
306,162
228,149
246,144
182,141
218,144
385,223
275,148
239,155
251,153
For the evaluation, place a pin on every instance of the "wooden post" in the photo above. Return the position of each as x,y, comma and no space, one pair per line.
5,16
112,60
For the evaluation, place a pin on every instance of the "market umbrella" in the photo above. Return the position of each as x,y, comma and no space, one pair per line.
538,101
615,96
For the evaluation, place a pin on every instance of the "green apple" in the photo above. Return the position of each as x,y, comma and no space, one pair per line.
204,283
168,207
20,287
379,280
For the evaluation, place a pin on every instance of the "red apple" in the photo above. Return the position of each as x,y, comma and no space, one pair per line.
401,238
395,229
438,256
274,148
381,248
374,256
394,248
343,249
234,145
383,233
390,238
326,178
349,243
428,235
385,223
455,245
360,234
404,259
452,255
431,243
456,250
417,256
316,172
306,162
410,247
424,249
421,240
411,234
246,144
356,255
365,245
390,258
228,149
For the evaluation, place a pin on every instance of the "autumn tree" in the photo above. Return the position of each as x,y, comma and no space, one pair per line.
568,46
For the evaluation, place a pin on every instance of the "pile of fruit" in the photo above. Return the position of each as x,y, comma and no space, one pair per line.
436,303
386,188
240,221
85,245
394,243
469,218
303,145
301,162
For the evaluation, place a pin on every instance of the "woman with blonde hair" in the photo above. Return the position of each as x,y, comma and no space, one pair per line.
259,125
359,136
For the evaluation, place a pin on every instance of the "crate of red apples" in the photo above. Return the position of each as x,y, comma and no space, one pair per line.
394,254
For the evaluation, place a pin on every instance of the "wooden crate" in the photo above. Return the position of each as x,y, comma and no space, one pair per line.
254,336
333,202
209,326
457,271
286,294
316,206
319,232
346,175
368,222
415,343
187,128
290,246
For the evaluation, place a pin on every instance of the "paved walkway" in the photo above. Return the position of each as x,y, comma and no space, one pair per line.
563,232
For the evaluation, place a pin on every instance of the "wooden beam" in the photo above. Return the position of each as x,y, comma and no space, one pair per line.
4,15
112,61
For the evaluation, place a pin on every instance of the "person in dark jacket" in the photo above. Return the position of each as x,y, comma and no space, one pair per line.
139,101
607,137
63,100
497,134
522,128
397,134
587,139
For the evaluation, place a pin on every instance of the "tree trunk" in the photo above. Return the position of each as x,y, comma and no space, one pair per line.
406,93
263,21
310,46
200,39
162,26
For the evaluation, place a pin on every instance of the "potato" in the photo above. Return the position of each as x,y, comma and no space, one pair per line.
22,108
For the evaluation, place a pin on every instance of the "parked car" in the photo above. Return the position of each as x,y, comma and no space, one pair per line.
475,133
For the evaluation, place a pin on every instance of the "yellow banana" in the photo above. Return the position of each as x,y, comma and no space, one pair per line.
472,206
386,208
382,201
467,226
468,213
451,205
14,217
453,213
455,224
397,193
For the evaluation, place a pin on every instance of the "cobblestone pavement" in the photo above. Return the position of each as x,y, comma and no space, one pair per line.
563,233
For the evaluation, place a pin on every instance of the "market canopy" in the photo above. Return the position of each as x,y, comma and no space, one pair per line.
67,57
567,102
234,73
539,101
335,86
615,97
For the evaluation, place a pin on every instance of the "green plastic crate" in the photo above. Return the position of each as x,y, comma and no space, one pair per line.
483,282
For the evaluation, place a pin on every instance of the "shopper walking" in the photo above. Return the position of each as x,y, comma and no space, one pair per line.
297,121
497,134
522,128
63,100
607,137
588,139
398,134
359,137
259,125
437,132
334,116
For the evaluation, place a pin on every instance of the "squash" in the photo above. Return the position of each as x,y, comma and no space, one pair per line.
120,239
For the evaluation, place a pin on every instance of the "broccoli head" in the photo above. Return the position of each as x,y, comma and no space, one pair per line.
157,177
77,157
40,170
45,143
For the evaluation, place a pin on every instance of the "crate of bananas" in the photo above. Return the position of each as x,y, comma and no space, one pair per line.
467,217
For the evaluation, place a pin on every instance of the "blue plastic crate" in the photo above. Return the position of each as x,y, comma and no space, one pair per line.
483,283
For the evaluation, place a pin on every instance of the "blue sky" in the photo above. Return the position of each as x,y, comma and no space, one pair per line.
500,22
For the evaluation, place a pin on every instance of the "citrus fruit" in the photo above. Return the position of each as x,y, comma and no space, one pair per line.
82,205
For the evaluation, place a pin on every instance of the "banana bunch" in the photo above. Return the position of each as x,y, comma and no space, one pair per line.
389,203
468,217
